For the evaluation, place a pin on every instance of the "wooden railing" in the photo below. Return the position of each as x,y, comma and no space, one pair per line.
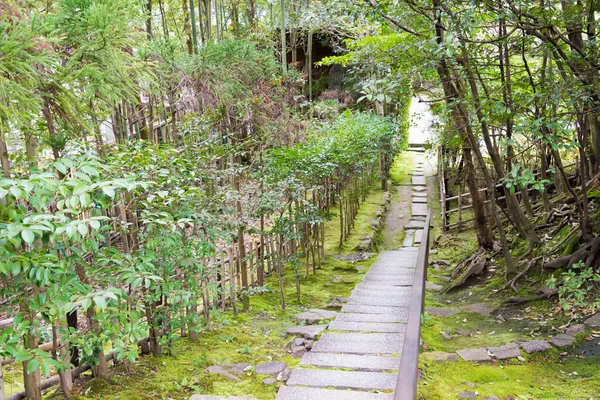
408,376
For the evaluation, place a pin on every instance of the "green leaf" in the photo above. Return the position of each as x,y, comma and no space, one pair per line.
83,229
32,365
109,191
100,302
28,236
22,355
95,224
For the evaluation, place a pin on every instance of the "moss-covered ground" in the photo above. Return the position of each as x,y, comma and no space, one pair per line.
252,337
555,374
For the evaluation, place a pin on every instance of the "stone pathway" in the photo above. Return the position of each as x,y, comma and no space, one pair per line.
357,357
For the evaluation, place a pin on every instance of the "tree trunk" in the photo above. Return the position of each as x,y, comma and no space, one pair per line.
4,152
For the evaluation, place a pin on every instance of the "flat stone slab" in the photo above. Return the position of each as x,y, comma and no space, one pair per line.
467,395
397,281
383,318
483,309
359,343
419,194
343,379
441,311
575,329
306,393
593,321
211,397
418,236
419,199
377,290
416,173
562,340
271,368
414,224
419,209
308,332
434,287
535,346
231,371
382,327
419,189
401,300
314,316
419,181
408,238
474,355
505,352
352,361
363,309
440,356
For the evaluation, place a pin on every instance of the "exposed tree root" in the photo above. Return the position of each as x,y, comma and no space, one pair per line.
544,293
474,265
587,253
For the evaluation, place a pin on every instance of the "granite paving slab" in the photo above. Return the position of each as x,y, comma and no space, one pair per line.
441,311
352,361
396,281
367,327
342,379
308,332
419,209
408,238
418,236
419,200
535,346
364,309
359,343
419,181
402,300
305,393
358,317
413,224
419,189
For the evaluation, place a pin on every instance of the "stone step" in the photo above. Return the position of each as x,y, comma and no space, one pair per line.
357,317
419,194
419,199
363,309
397,281
409,238
390,270
382,275
351,361
399,301
380,327
419,181
359,343
378,291
342,379
412,224
305,393
419,209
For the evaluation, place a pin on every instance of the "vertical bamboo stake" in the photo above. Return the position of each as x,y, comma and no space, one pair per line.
232,280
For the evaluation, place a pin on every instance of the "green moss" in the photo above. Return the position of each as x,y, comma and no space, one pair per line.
402,167
540,377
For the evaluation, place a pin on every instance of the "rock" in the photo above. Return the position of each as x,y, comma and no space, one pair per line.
314,316
593,321
463,332
443,262
298,351
562,340
309,344
440,356
360,256
500,318
482,309
336,279
535,346
231,371
434,287
271,368
361,268
337,302
505,352
207,397
575,329
474,355
441,311
492,398
467,395
298,342
470,384
308,331
269,381
446,334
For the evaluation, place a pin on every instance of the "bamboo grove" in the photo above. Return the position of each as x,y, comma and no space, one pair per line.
216,178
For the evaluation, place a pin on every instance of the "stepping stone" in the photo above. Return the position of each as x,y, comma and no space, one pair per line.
408,238
231,371
355,362
342,379
419,189
275,369
367,327
419,209
467,395
419,181
419,199
562,340
399,281
419,217
309,332
412,224
305,393
359,343
535,346
314,316
474,355
482,309
419,194
417,173
440,356
441,311
363,309
593,321
575,329
505,352
356,317
376,290
388,272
